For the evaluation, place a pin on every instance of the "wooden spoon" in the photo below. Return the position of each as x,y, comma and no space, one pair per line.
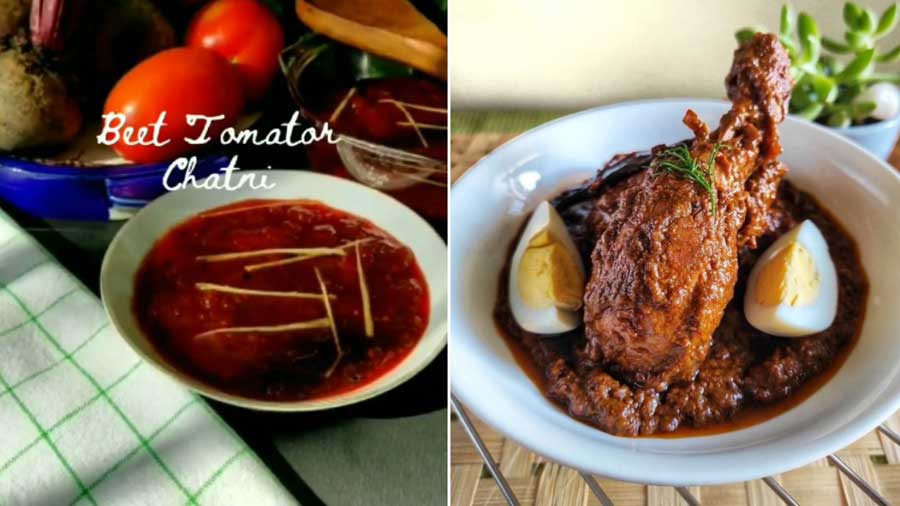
391,29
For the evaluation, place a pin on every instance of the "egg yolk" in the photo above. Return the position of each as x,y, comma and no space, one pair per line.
548,275
790,277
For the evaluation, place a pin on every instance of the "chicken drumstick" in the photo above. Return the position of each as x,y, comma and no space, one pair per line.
665,261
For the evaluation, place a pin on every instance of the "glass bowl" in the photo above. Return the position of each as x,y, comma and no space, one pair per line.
314,68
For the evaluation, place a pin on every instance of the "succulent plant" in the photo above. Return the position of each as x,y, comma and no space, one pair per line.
827,89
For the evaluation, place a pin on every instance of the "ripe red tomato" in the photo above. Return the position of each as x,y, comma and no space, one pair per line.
247,34
179,81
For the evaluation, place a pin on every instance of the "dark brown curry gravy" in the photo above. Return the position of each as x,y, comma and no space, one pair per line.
536,353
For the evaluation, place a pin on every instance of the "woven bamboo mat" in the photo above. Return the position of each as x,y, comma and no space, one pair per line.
538,482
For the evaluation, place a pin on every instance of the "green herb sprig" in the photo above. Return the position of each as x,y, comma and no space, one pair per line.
678,161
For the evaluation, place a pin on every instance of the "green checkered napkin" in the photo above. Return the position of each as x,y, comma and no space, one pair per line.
83,420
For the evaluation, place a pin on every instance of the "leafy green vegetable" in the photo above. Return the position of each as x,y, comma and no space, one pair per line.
824,86
888,21
891,56
745,34
861,64
786,24
835,46
851,14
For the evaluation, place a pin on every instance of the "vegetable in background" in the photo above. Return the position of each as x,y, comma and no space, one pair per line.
179,81
128,32
247,34
826,89
13,15
58,67
36,105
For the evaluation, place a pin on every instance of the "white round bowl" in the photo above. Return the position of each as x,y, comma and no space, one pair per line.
489,204
137,237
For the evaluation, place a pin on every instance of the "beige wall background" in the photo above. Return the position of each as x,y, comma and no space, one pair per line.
553,54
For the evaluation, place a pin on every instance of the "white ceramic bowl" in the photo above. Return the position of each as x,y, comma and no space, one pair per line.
136,238
490,202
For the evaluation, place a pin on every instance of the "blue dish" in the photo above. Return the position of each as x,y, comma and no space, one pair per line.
63,192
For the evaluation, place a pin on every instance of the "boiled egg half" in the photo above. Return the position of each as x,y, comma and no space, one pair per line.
546,278
792,290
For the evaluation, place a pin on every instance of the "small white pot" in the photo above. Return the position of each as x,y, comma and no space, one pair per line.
877,138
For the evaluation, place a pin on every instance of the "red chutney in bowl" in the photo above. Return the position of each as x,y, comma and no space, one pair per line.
370,111
220,305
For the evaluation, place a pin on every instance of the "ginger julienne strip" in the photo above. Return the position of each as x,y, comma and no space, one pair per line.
334,332
423,126
410,105
319,323
301,257
324,296
213,287
402,108
340,108
283,261
227,212
369,323
222,257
